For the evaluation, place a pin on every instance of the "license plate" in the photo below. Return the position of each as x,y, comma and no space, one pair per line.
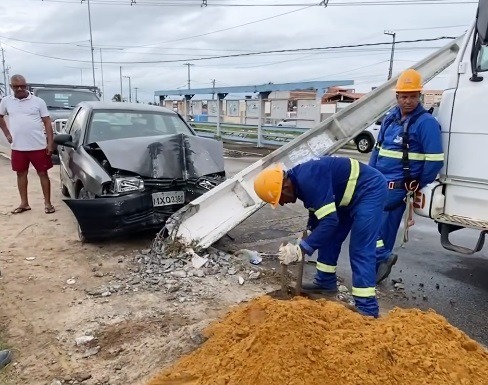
168,198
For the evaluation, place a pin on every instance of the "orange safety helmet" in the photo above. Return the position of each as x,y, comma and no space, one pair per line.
268,185
409,81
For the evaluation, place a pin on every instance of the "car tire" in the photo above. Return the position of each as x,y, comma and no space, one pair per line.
64,189
364,143
83,194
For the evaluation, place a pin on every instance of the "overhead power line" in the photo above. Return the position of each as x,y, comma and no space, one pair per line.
148,45
180,3
240,54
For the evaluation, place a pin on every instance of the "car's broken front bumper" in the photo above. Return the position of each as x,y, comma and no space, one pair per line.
108,217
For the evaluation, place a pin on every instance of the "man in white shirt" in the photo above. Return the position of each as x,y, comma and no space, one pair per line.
30,135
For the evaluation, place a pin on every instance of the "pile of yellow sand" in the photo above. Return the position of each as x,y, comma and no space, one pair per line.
273,342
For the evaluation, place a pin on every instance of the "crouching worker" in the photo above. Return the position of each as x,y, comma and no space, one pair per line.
342,196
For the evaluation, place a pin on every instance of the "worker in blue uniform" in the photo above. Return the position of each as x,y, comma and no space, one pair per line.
409,154
343,196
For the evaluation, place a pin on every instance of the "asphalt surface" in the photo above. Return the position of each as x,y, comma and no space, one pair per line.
454,285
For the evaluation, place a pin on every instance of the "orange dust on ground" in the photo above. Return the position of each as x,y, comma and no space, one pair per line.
275,342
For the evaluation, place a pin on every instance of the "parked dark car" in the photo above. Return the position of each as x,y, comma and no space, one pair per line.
128,167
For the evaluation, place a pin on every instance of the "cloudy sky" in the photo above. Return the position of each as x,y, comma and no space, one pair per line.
48,41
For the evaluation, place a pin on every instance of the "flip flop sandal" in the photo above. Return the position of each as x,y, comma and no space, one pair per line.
49,209
20,210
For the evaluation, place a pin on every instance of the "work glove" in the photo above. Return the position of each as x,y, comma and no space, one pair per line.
290,253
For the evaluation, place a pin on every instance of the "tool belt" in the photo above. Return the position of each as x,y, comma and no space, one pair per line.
396,185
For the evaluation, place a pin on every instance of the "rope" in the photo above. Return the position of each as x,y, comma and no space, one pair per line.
408,201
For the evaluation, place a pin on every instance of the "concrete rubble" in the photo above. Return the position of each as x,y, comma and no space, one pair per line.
180,272
185,275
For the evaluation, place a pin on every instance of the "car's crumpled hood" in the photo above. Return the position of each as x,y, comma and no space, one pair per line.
176,156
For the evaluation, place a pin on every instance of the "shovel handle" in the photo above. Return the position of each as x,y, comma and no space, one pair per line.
298,287
284,279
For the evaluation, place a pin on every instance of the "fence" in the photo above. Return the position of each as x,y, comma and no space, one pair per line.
271,136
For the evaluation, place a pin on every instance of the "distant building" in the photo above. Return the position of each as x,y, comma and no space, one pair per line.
337,98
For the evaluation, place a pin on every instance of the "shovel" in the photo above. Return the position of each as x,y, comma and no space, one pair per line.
301,264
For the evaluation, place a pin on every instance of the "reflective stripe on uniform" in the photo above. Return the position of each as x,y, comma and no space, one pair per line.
411,155
363,291
434,157
324,268
351,183
380,243
325,210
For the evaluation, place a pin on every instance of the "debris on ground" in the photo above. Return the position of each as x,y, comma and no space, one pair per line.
273,342
184,273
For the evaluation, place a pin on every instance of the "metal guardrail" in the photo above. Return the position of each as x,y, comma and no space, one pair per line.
273,136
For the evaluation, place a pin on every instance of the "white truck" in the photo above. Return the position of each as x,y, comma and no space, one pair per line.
458,199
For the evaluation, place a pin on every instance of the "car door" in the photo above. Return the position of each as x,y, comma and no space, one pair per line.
67,153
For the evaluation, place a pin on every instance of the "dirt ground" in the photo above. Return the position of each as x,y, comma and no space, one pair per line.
46,275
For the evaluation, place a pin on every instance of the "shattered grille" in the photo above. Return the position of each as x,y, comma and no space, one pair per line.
164,183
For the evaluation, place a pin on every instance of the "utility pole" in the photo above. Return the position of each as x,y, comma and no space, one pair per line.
136,88
91,43
8,79
130,89
4,72
189,77
213,89
393,35
101,70
121,90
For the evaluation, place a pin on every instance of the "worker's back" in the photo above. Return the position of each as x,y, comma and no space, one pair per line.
316,179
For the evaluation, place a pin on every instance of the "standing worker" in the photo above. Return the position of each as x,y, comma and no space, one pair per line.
342,196
30,135
409,154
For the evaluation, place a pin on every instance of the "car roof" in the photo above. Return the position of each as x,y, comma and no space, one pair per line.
121,106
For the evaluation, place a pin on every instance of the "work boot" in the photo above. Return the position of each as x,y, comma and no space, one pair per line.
313,287
367,306
384,268
5,358
323,283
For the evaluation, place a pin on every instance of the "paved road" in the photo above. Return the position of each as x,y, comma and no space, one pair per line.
424,265
456,286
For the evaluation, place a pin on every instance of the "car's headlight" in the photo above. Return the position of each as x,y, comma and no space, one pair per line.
127,184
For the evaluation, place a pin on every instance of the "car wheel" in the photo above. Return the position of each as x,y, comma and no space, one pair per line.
84,194
81,236
364,144
64,189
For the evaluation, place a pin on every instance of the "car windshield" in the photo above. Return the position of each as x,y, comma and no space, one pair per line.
110,125
65,99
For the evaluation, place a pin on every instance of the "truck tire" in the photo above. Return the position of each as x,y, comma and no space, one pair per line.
364,143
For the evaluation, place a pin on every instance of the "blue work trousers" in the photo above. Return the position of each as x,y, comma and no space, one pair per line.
391,220
363,221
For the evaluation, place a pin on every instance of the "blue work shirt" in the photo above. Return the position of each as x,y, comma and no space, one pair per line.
326,185
426,156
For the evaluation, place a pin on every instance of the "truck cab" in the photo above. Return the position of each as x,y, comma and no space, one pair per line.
62,99
459,199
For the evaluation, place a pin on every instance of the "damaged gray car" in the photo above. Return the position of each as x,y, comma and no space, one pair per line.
128,167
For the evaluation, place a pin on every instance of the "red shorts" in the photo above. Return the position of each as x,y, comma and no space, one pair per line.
38,158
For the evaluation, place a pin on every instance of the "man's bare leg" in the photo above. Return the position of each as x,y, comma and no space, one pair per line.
22,186
46,190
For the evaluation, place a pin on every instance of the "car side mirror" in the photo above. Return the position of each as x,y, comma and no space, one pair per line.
64,140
